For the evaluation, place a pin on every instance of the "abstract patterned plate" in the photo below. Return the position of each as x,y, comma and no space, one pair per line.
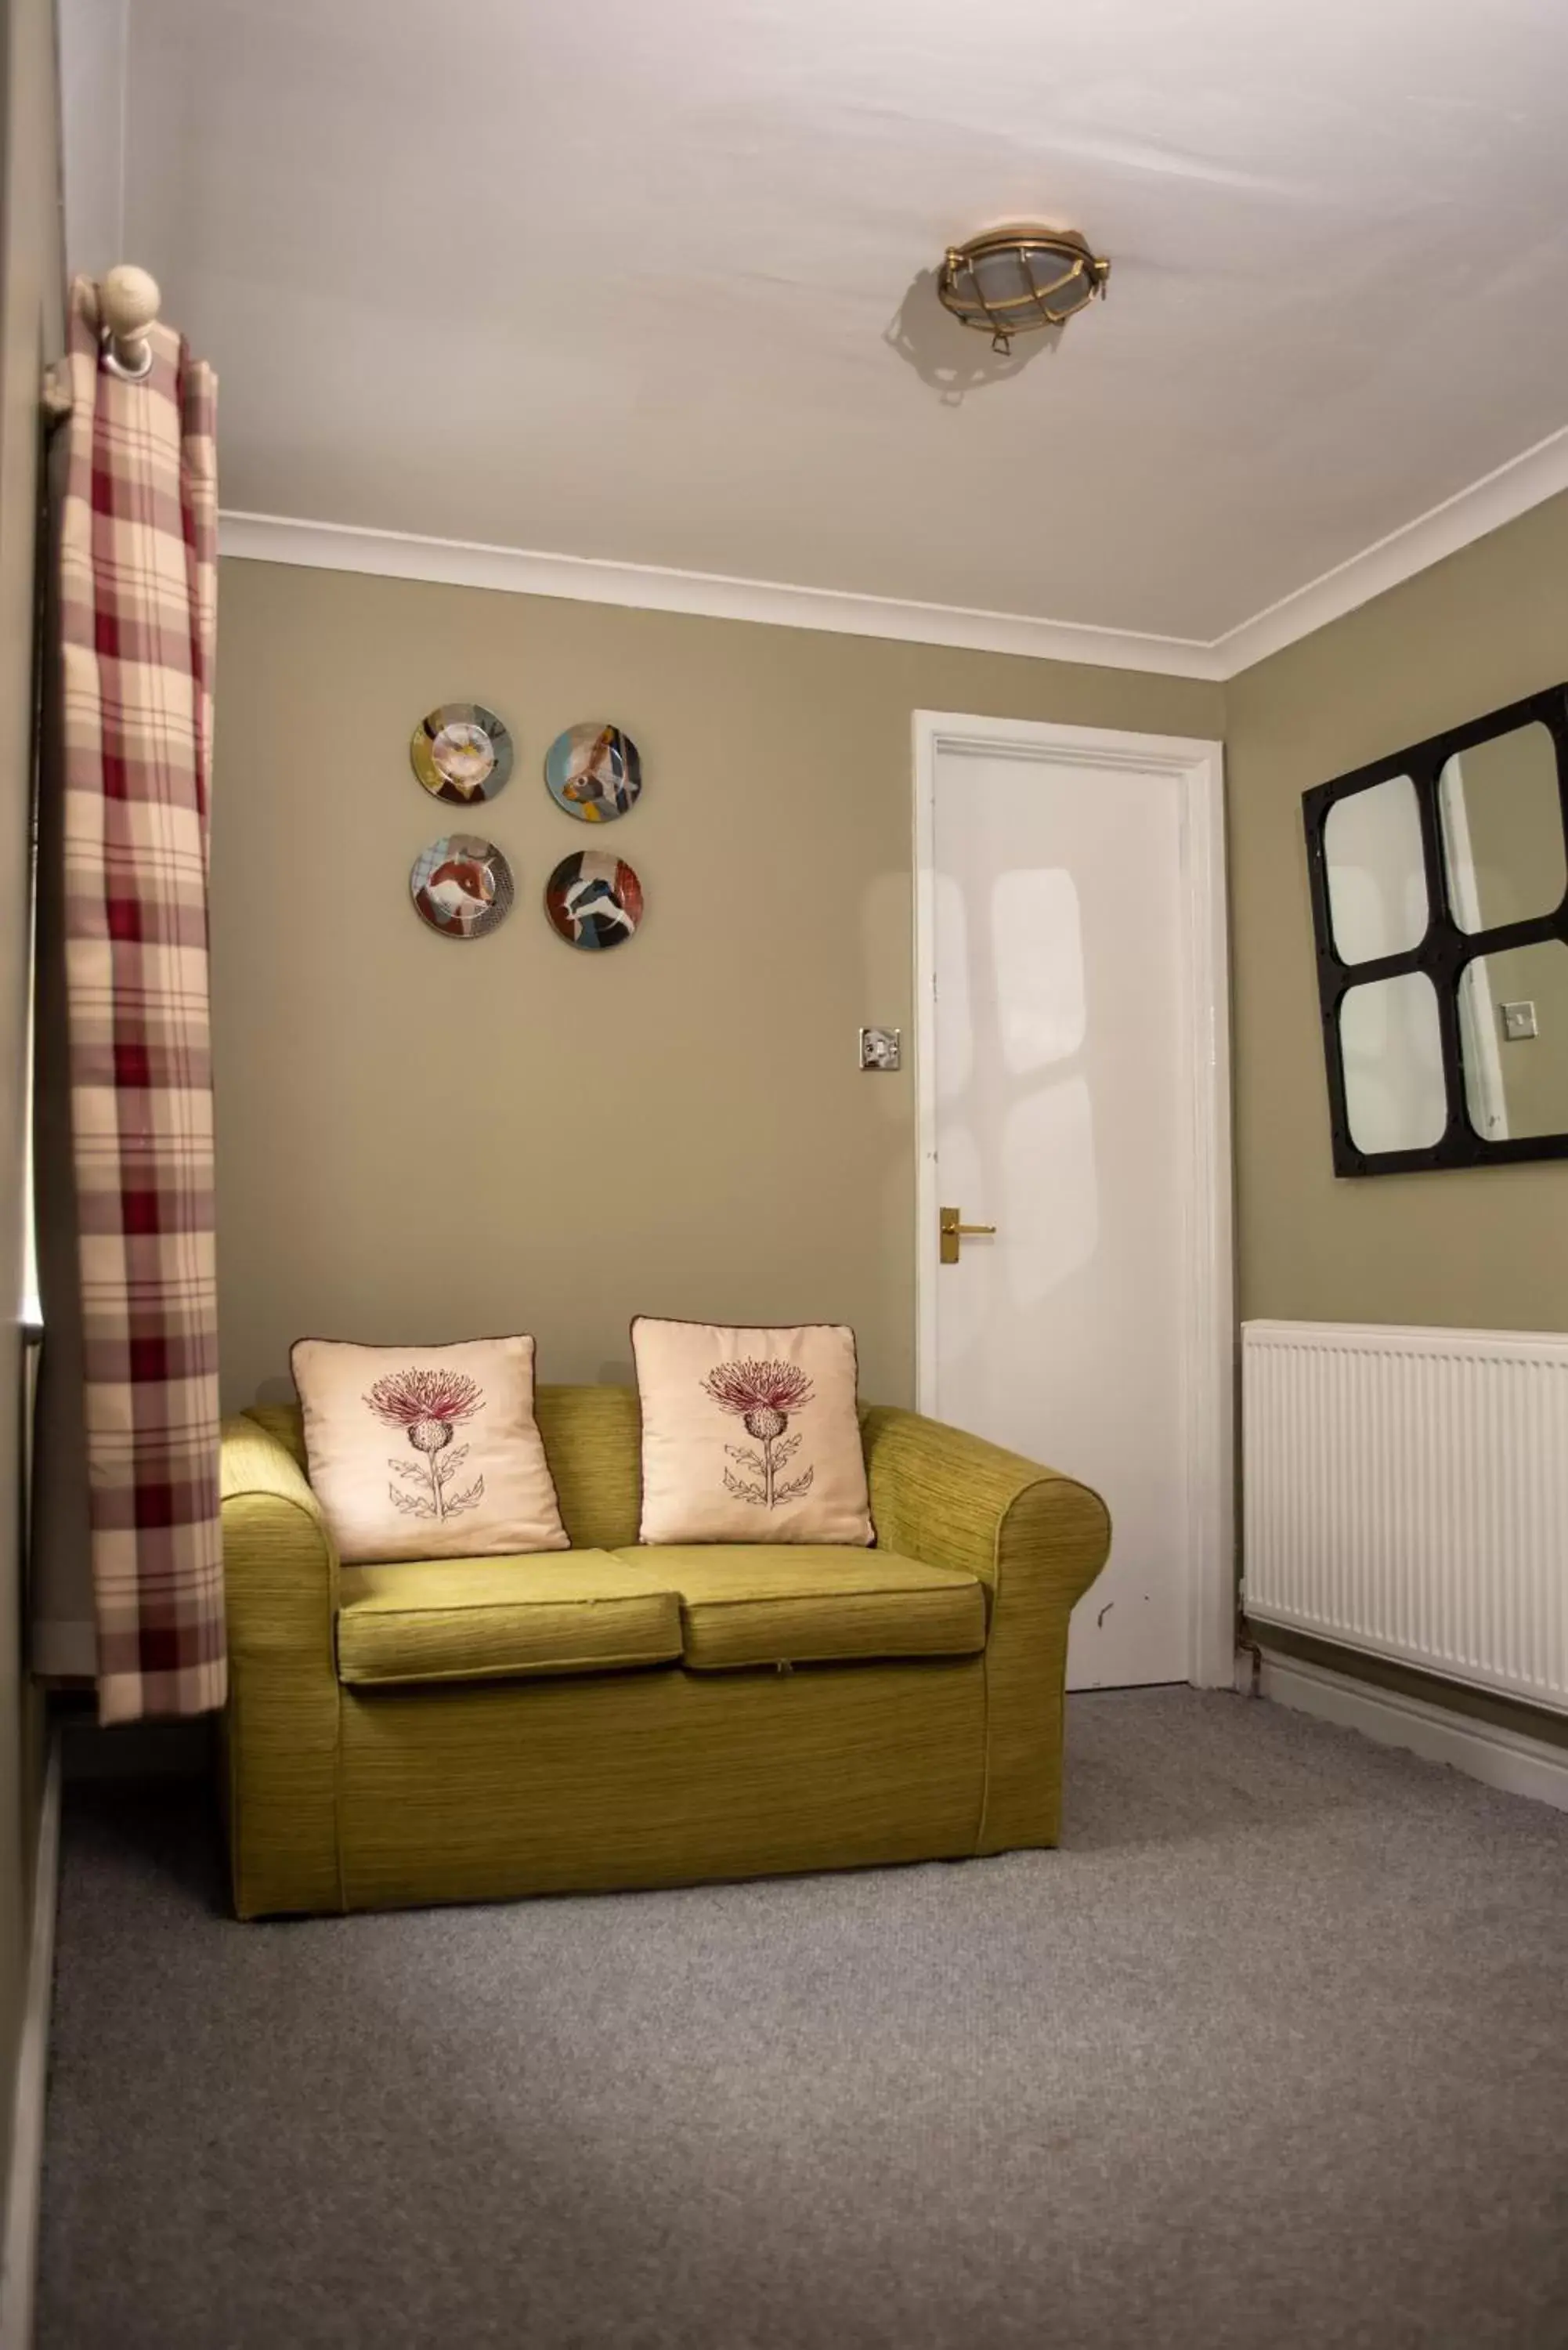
593,899
462,752
461,886
594,772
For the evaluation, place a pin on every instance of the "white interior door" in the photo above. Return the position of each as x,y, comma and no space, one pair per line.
1058,1065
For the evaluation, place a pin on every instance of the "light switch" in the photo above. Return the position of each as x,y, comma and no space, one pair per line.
1518,1023
879,1048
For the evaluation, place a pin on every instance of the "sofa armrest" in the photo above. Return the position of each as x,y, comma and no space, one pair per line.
280,1576
1036,1539
280,1562
953,1500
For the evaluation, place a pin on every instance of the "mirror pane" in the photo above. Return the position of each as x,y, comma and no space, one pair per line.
1513,1029
1391,1050
1376,879
1502,830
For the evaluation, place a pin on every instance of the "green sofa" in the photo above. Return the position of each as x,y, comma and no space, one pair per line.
614,1716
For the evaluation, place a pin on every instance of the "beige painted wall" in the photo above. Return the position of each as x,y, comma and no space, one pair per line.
422,1138
30,332
1487,1247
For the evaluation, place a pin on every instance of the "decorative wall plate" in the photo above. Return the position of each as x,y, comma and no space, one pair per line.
593,899
594,772
462,752
461,886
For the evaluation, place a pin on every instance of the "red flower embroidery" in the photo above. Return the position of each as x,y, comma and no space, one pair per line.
762,1396
428,1405
403,1397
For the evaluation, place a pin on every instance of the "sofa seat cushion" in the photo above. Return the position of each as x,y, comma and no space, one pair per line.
566,1611
812,1604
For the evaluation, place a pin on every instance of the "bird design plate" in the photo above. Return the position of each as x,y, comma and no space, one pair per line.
462,752
461,886
593,899
594,772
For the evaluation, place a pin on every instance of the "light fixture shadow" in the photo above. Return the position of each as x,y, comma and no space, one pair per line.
947,357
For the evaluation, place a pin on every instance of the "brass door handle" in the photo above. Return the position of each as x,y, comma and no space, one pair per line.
949,1232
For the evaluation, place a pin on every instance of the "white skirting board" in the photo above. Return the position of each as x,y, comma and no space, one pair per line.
25,2168
1507,1759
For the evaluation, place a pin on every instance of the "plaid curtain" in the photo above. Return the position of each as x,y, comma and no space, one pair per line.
137,603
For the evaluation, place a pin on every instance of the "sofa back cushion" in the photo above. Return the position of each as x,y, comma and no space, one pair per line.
750,1435
590,1437
590,1441
427,1452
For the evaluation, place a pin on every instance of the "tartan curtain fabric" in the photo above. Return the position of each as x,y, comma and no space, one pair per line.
136,600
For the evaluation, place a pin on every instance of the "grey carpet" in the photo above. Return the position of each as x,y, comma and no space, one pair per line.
1273,2051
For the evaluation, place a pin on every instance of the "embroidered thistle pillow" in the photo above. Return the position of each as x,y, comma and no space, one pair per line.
427,1451
750,1436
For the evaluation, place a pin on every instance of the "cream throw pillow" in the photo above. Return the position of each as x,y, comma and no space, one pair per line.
427,1451
750,1436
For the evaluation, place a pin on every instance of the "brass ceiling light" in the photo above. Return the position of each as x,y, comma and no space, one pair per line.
1012,281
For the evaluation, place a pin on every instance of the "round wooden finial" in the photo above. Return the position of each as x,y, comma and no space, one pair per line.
128,302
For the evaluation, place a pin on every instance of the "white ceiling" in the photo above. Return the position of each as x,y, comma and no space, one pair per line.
628,279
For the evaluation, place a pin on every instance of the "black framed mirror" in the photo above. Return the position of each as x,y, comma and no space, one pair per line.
1439,899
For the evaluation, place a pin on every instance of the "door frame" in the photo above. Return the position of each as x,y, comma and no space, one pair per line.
1209,1346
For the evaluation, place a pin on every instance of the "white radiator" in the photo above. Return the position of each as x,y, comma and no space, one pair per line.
1405,1492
